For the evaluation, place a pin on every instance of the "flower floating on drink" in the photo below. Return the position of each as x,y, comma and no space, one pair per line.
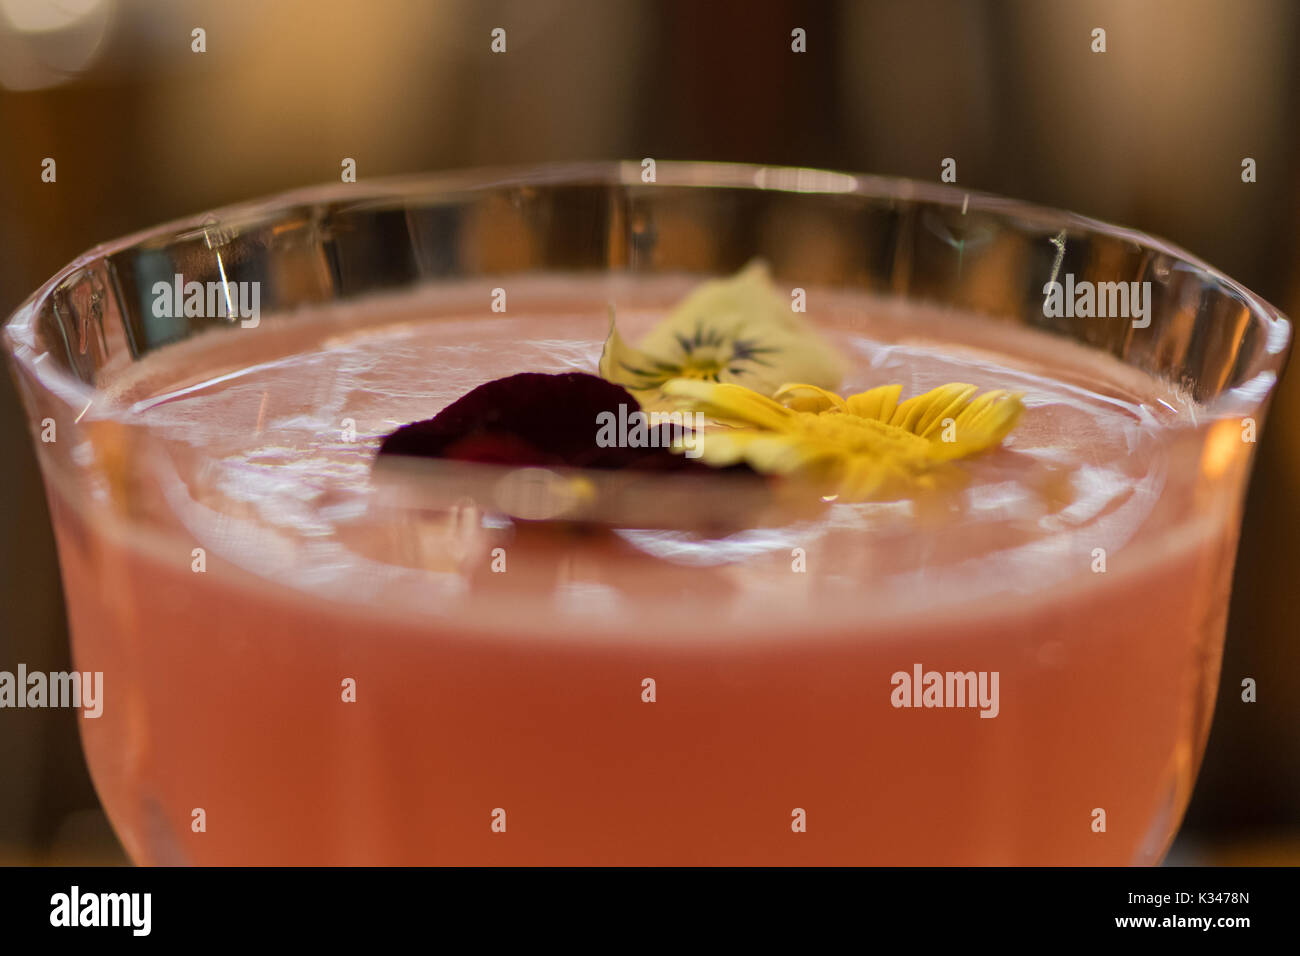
538,420
863,447
723,361
737,330
577,450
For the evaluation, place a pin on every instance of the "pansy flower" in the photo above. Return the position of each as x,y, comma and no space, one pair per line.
864,447
738,330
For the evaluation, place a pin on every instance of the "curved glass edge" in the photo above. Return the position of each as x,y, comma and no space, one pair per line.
79,290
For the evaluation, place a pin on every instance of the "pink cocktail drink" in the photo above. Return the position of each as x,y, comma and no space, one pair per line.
303,666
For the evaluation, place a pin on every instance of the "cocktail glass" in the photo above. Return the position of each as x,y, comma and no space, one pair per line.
619,697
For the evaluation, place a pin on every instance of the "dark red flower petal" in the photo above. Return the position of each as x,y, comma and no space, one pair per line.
533,419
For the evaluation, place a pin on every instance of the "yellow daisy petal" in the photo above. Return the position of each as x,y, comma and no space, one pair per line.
729,404
878,403
808,398
907,414
945,402
864,448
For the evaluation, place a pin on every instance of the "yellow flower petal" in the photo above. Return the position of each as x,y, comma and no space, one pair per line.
944,402
808,398
739,330
630,367
729,404
862,448
878,403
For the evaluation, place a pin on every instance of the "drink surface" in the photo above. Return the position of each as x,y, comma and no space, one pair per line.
272,434
1082,563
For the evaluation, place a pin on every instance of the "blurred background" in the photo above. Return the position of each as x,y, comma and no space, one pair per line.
1151,133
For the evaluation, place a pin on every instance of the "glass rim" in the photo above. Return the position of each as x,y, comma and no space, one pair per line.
1251,392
